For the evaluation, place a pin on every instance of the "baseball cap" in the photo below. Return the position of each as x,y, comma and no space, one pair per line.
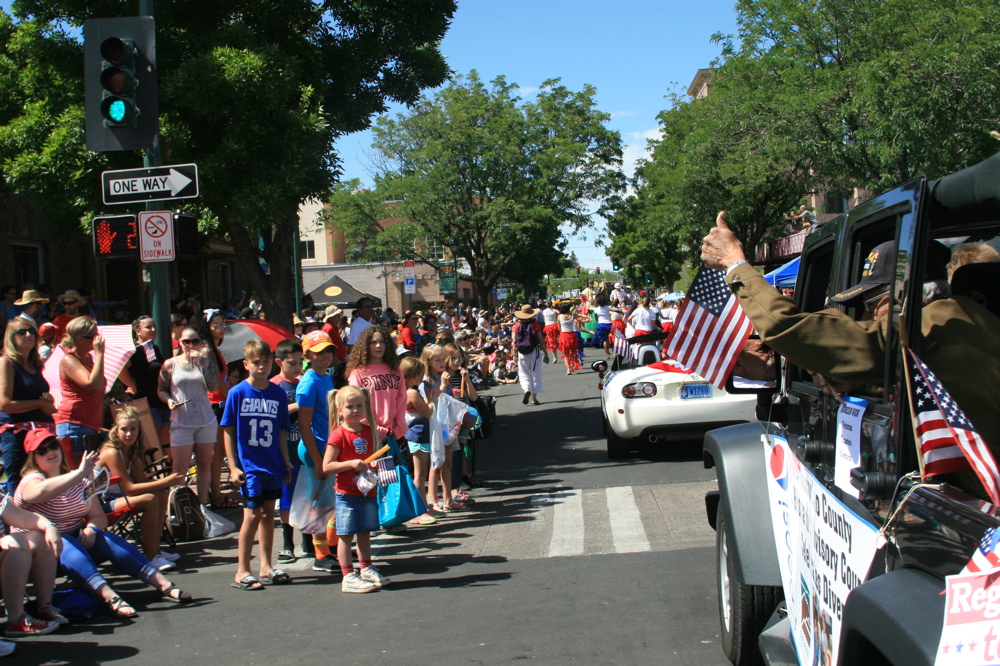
47,331
317,341
36,437
880,269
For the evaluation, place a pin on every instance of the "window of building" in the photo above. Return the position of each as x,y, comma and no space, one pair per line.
835,202
307,249
430,248
28,266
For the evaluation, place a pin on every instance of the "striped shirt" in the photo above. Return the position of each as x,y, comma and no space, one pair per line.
67,511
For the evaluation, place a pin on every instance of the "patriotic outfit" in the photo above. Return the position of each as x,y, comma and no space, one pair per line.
551,319
832,344
603,313
568,346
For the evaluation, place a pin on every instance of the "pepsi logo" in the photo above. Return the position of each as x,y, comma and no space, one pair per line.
778,467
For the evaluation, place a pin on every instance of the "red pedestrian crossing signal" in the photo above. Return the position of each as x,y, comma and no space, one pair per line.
115,237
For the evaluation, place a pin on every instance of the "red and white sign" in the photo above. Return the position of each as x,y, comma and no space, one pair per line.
409,269
971,635
156,236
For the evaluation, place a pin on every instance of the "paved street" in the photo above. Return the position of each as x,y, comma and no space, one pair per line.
565,557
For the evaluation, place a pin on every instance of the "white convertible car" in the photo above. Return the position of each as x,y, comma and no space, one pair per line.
647,404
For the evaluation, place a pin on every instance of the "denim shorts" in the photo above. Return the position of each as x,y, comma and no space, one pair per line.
356,514
161,416
259,488
75,432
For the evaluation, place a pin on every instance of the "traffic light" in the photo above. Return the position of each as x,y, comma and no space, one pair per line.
578,271
120,78
598,271
186,240
617,266
648,278
115,237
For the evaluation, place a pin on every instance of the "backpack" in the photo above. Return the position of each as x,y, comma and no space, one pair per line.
524,339
184,519
486,405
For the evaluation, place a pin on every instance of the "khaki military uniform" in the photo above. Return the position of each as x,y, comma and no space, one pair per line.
961,345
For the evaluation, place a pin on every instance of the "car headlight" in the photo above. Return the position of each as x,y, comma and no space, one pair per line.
639,390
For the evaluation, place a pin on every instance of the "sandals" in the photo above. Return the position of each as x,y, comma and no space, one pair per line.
181,598
278,577
250,583
121,608
225,502
424,519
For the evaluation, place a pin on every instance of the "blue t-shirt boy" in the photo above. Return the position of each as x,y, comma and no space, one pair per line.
311,392
259,416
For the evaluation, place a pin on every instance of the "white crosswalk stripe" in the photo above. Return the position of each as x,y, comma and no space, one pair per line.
567,523
626,524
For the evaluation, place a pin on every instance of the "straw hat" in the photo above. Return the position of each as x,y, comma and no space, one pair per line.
75,295
526,312
31,296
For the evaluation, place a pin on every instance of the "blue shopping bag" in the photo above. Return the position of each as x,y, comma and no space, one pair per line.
400,501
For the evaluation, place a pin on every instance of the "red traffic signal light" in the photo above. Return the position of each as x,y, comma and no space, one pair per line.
115,237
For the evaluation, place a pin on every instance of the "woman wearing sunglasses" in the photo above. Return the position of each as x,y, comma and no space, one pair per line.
24,395
184,385
81,382
68,500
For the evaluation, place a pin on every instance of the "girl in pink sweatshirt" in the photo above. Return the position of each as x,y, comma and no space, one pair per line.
373,365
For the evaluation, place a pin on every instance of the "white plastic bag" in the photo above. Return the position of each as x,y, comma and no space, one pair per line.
313,502
445,422
216,525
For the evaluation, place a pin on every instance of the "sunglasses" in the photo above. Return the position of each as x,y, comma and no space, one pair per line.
192,341
25,331
871,303
89,337
51,445
218,326
69,303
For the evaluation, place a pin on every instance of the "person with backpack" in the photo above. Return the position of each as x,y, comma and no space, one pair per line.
527,343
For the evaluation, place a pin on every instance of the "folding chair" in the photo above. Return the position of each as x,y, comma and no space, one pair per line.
125,521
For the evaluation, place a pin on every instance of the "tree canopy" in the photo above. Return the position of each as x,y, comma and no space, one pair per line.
496,177
818,95
254,93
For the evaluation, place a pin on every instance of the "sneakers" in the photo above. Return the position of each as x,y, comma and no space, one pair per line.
433,512
395,529
169,557
286,557
29,626
327,564
462,498
51,614
353,583
425,519
373,576
162,564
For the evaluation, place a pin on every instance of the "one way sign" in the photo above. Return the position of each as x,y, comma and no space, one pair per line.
179,181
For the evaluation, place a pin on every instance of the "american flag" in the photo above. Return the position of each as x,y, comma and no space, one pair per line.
985,557
620,345
711,328
386,471
945,437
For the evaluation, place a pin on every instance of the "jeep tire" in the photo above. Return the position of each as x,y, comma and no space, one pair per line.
743,609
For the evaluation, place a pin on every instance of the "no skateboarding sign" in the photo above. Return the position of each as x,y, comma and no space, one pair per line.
156,236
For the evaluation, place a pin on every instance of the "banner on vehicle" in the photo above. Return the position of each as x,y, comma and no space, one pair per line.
824,551
971,631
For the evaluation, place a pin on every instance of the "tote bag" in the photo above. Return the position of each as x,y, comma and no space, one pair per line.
401,501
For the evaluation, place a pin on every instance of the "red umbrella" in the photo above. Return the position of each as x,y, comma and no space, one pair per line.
242,331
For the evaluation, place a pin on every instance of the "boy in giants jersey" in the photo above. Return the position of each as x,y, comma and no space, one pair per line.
254,422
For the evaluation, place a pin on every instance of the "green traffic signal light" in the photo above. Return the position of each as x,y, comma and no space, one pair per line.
118,81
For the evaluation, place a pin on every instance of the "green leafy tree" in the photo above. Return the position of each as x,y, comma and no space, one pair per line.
492,176
255,93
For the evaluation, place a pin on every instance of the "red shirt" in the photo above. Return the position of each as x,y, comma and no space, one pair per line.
408,338
334,333
79,405
61,322
353,446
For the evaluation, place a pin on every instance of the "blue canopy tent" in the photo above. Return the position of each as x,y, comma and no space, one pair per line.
784,276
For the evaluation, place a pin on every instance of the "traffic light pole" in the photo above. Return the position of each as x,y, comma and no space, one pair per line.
159,274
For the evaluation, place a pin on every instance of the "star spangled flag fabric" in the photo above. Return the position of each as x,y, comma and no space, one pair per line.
620,345
386,471
711,328
985,557
945,437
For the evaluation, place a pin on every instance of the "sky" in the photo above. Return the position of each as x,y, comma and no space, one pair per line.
632,51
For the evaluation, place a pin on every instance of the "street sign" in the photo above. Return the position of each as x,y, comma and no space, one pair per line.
409,269
501,294
447,280
506,284
178,181
410,285
156,236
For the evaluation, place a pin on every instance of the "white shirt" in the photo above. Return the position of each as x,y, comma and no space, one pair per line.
357,326
603,314
549,316
642,318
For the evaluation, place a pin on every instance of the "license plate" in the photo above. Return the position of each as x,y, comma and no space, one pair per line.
693,391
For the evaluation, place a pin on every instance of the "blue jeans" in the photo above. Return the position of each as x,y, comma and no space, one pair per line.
12,448
80,564
75,432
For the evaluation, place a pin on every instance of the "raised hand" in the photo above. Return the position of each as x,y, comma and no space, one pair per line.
720,248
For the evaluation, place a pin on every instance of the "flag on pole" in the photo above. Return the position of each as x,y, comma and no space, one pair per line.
711,328
985,557
946,439
620,346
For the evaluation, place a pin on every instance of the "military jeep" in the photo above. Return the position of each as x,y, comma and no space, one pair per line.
815,570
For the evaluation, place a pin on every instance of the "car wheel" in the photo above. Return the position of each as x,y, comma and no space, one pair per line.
618,447
743,609
604,425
